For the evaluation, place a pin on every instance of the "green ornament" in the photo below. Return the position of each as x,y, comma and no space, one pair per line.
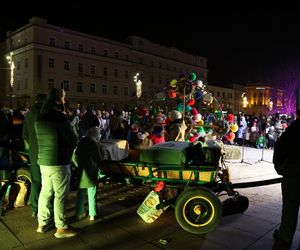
200,130
193,76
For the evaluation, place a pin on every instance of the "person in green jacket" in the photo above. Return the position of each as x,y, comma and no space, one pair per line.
29,135
87,158
56,142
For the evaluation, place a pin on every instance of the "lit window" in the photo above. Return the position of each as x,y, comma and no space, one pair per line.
66,65
79,86
52,42
126,91
93,88
51,63
50,83
26,84
115,90
104,89
93,69
105,71
65,85
80,66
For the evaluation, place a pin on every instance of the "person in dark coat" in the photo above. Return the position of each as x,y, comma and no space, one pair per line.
29,135
87,158
88,120
56,142
287,163
5,127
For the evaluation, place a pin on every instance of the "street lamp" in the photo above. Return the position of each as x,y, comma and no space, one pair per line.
245,100
10,61
270,104
138,85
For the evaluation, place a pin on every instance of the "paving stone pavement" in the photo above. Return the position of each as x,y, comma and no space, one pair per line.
119,227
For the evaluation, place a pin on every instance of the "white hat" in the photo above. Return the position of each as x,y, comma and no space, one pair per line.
94,134
174,114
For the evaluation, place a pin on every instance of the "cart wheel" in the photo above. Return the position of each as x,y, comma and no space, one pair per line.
198,211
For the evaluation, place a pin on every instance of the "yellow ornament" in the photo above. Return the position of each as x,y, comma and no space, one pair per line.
234,127
200,122
173,83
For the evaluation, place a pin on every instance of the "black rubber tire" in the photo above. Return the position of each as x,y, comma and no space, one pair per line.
198,211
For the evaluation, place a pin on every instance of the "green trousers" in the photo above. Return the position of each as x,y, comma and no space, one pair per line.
35,186
81,196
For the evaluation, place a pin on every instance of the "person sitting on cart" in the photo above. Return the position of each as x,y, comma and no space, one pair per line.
176,129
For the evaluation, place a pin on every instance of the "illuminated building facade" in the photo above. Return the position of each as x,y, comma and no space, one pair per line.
91,69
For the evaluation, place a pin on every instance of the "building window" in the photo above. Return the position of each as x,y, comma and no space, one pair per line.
18,65
26,63
26,84
65,85
126,74
160,65
174,68
140,60
80,47
116,73
105,71
152,63
218,94
67,44
66,65
127,58
93,69
115,90
167,66
159,80
117,55
93,87
223,95
50,83
93,50
80,67
18,84
126,91
52,42
51,63
105,52
152,79
79,86
104,89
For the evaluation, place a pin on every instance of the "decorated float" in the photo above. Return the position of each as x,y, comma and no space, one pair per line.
190,175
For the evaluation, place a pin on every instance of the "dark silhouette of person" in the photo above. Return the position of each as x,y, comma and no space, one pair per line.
29,135
287,163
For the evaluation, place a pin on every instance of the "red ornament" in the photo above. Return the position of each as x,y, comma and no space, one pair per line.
190,102
172,94
194,111
159,186
230,118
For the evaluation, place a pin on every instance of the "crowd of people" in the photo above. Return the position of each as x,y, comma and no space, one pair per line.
59,136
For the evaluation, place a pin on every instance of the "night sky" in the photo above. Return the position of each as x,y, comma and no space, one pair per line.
241,43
